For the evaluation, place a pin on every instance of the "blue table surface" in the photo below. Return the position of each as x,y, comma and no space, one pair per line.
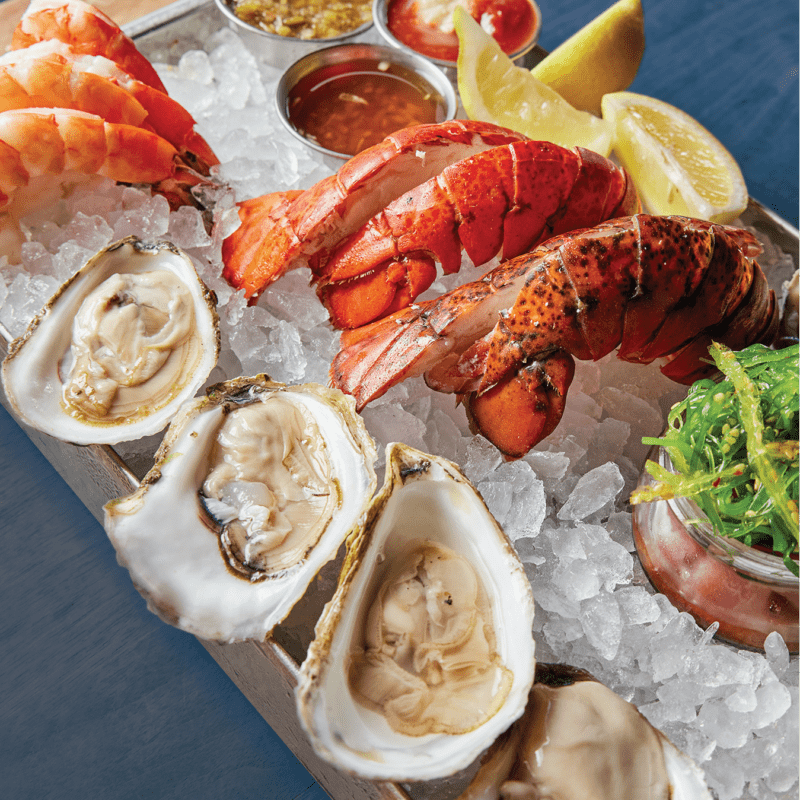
99,698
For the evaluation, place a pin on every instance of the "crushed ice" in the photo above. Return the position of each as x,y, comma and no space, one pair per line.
733,711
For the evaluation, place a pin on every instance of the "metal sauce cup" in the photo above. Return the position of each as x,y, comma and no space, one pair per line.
342,54
380,15
281,51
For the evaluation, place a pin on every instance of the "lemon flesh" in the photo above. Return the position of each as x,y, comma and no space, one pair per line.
602,57
494,90
677,165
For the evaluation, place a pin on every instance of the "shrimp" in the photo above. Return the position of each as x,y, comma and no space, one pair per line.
87,30
51,74
43,149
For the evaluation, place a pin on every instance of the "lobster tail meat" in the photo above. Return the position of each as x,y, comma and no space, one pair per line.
508,198
650,287
255,215
418,339
524,408
341,203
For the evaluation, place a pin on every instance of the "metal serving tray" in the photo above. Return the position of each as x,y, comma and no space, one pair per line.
266,672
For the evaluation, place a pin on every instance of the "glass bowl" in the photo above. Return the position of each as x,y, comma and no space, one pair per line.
281,51
749,592
380,14
322,79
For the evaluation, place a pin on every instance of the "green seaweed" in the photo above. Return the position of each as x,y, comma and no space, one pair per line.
734,446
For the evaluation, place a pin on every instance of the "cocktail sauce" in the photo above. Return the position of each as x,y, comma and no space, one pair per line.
511,22
350,106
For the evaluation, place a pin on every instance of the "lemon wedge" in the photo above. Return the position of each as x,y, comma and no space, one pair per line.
602,57
678,166
494,90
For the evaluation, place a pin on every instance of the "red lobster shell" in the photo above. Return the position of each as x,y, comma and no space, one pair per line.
650,286
373,232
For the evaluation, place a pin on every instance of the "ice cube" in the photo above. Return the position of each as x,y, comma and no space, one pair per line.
549,466
285,358
566,542
637,604
668,647
698,746
389,423
482,459
443,435
609,441
186,228
620,528
679,700
36,259
526,516
743,699
26,296
577,578
498,496
725,776
594,491
558,630
777,653
714,665
774,700
195,66
602,623
293,300
69,259
527,551
147,220
612,563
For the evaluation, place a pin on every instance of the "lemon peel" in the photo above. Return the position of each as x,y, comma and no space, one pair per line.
602,57
677,165
494,90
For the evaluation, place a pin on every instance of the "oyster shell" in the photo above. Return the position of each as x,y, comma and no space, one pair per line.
425,654
254,489
579,739
118,348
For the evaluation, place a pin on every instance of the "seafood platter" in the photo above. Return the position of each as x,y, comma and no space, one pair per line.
390,419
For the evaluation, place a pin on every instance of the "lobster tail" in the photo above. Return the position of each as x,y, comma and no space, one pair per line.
339,204
653,287
507,198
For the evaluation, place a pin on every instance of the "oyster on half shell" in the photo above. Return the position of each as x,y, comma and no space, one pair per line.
118,348
254,489
425,654
579,739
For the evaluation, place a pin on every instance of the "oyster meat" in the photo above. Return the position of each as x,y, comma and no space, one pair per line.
254,489
118,348
425,654
578,739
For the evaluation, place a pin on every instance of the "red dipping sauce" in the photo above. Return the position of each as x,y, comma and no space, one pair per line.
748,593
513,23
